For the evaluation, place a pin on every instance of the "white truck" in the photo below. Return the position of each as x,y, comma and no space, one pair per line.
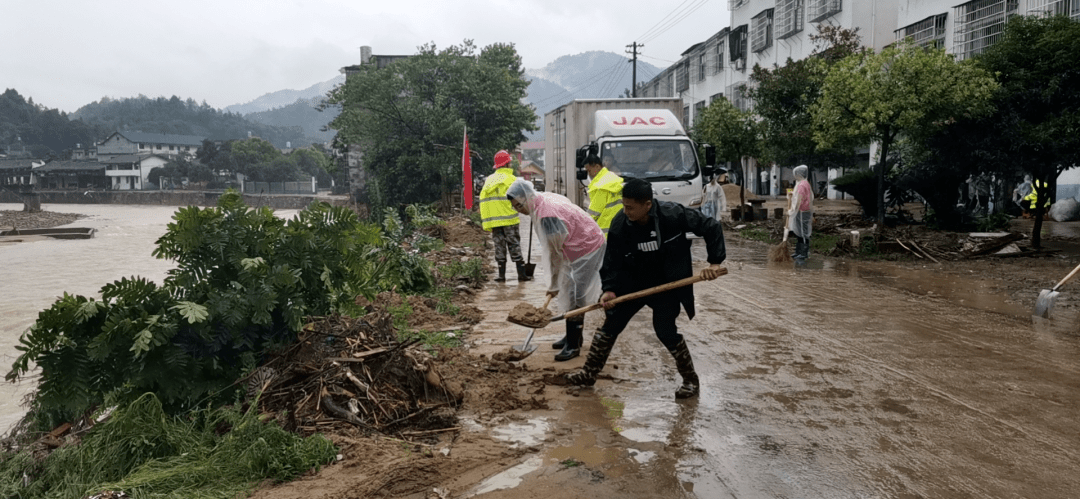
642,138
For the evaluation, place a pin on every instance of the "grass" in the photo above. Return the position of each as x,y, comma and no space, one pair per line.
471,270
431,339
756,234
571,463
823,244
140,450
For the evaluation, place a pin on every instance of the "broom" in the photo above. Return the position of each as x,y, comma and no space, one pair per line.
781,253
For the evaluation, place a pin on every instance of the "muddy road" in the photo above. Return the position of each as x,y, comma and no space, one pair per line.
829,380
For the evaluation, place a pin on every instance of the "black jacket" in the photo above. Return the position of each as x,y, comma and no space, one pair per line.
619,274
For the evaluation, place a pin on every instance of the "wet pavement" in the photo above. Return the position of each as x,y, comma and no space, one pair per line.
832,379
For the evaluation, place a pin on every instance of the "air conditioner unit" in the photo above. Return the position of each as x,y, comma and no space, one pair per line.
740,64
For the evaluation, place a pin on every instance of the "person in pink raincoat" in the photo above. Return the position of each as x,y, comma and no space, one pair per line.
572,246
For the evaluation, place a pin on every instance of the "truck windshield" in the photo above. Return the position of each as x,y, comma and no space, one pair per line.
651,159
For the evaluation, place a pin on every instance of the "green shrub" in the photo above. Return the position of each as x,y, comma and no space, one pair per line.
244,281
823,243
862,185
993,222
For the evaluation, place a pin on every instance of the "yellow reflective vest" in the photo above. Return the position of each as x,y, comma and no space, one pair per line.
1034,195
495,209
605,198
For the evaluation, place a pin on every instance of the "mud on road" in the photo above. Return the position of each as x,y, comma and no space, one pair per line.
839,378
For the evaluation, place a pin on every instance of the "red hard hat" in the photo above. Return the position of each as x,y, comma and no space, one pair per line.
502,158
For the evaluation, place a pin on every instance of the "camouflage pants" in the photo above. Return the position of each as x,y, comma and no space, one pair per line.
507,239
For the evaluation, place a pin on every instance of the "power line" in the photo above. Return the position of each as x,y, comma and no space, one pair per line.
674,22
596,76
615,83
661,20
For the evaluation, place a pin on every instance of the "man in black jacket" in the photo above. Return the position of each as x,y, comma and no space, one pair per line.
647,247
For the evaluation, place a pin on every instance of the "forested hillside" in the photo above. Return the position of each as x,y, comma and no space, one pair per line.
304,113
45,132
185,117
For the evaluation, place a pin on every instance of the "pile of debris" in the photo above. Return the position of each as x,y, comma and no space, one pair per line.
355,371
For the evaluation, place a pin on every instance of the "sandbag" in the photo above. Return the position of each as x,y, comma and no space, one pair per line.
1065,210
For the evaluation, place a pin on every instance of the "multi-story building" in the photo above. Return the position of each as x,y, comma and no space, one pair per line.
125,143
765,33
354,155
769,32
132,171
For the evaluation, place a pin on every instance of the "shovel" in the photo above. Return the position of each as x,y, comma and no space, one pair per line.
529,267
632,296
1047,297
527,348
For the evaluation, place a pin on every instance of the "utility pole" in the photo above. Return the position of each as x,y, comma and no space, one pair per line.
633,50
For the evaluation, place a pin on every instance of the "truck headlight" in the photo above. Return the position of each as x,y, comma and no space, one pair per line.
695,202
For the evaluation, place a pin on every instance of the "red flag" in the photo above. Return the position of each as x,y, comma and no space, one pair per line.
466,173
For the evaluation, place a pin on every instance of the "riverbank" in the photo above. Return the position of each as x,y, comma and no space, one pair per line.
11,219
173,198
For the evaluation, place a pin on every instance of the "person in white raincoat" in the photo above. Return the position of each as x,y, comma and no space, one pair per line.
572,246
801,213
715,202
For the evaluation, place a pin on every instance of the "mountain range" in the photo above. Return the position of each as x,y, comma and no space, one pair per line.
589,75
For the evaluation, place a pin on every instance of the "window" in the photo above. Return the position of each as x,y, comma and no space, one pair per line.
685,114
682,76
718,66
716,96
734,4
789,18
172,148
1047,8
737,43
979,24
761,31
142,146
698,108
737,99
929,32
159,147
818,10
701,67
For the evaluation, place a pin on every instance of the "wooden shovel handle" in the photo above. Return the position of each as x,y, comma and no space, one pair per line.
1067,278
643,293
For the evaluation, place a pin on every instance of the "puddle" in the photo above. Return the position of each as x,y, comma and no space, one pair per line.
508,479
520,434
642,457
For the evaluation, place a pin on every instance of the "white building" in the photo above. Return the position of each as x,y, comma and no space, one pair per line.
768,32
131,171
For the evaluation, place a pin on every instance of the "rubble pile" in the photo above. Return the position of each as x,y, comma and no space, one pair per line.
355,371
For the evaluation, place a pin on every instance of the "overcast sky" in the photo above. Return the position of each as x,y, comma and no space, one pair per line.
68,53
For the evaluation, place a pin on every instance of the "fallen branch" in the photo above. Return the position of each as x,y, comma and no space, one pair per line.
924,252
909,249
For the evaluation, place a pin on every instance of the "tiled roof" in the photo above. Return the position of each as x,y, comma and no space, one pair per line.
71,166
163,138
536,144
129,158
17,163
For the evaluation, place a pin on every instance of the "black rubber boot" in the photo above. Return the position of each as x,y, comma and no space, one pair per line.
574,339
594,362
502,273
521,272
685,365
558,345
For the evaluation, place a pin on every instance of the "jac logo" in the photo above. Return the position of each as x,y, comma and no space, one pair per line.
638,120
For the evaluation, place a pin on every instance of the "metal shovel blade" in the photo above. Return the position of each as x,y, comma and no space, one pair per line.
526,348
1045,303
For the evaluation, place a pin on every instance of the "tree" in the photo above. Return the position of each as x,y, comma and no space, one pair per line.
408,117
903,90
734,133
783,95
1037,123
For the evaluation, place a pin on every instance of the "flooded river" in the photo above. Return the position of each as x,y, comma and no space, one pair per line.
34,274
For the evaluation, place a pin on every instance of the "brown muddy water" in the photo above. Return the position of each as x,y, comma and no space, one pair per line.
832,379
34,274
